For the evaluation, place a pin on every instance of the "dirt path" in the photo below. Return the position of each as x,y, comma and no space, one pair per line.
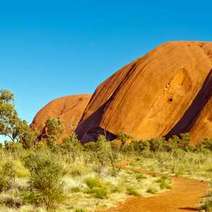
184,196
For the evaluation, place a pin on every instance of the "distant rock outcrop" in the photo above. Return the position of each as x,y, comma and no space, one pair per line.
68,109
166,92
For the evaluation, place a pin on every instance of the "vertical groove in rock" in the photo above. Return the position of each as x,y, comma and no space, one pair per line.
188,119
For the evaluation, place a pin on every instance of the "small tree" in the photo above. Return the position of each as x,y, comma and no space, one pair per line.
11,126
46,185
8,115
72,146
104,152
27,136
52,131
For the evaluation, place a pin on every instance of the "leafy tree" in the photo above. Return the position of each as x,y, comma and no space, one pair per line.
11,126
8,115
104,153
27,136
52,131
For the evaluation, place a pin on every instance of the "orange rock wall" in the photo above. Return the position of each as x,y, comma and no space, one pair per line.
149,97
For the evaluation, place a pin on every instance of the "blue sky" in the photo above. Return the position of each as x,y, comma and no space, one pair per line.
54,48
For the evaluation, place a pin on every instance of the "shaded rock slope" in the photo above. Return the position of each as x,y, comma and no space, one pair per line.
166,92
68,109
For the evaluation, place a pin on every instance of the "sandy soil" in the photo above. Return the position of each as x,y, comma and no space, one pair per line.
185,195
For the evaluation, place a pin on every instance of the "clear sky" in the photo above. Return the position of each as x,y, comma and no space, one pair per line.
54,48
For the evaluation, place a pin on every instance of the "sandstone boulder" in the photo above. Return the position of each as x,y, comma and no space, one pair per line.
68,109
165,92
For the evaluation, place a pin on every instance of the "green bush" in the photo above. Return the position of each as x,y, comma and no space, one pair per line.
7,176
207,205
72,147
13,147
152,146
79,210
165,182
152,190
132,191
206,145
93,182
75,189
99,192
140,176
104,152
11,202
46,185
52,132
97,188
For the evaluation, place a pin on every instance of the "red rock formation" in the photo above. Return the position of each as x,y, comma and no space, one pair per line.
68,109
202,128
162,93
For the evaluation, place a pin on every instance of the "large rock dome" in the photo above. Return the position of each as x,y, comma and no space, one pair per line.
168,91
68,109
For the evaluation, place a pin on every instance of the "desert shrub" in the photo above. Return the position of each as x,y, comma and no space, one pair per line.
158,145
140,176
79,169
132,191
137,146
41,146
90,146
101,153
28,136
11,202
185,139
148,147
152,190
172,144
45,186
13,147
76,171
75,189
72,147
98,192
79,210
20,170
7,176
96,187
205,145
104,153
123,138
92,182
164,182
207,204
52,132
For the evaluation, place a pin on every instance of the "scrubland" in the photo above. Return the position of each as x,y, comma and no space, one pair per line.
97,175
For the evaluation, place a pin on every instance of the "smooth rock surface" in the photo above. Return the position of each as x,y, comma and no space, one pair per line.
160,94
68,109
